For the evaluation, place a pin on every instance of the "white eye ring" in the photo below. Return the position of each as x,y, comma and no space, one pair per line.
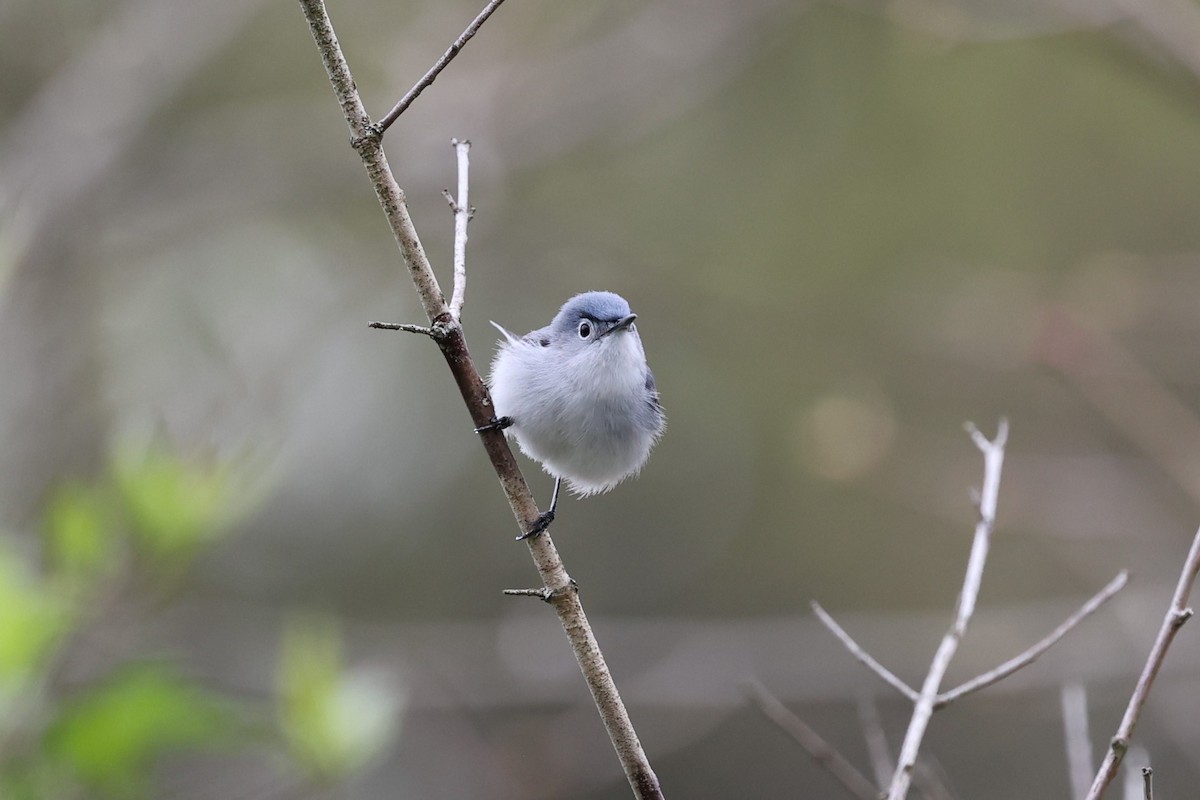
585,329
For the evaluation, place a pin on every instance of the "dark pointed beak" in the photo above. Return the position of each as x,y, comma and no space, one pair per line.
620,325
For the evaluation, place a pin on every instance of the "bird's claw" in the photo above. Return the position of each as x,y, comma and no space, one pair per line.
539,526
496,424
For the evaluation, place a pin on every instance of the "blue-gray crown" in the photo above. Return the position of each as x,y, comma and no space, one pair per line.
597,306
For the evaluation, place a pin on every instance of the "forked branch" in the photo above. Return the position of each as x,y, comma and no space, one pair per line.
930,698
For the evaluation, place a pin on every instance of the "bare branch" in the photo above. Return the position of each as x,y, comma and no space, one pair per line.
1148,778
1176,616
993,462
822,752
862,655
1029,656
439,65
1079,748
462,214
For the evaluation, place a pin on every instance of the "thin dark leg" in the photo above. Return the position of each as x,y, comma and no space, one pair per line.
496,424
543,521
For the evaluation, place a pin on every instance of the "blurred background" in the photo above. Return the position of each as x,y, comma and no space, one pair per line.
251,548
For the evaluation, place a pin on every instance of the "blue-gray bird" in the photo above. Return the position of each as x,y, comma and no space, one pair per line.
578,396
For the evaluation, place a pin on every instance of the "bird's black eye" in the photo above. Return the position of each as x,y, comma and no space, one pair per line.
585,329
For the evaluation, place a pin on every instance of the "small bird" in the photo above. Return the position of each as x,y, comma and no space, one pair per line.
578,396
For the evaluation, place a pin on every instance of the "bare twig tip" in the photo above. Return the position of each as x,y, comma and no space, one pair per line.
541,594
438,66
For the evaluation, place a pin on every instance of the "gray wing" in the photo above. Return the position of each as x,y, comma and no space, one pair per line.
541,336
652,391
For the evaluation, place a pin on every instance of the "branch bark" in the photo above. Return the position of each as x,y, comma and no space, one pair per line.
561,592
1177,614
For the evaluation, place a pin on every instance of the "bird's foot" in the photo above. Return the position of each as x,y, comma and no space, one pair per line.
539,525
496,424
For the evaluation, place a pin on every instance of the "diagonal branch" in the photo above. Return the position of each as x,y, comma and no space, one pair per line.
822,752
862,655
1029,656
439,65
561,591
1177,614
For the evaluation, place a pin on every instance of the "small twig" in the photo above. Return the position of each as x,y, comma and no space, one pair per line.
1176,616
437,67
424,330
1148,778
462,214
993,462
1029,656
541,593
862,655
1075,730
822,752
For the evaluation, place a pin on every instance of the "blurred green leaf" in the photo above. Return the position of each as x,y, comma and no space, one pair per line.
111,736
174,506
333,721
31,620
80,534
